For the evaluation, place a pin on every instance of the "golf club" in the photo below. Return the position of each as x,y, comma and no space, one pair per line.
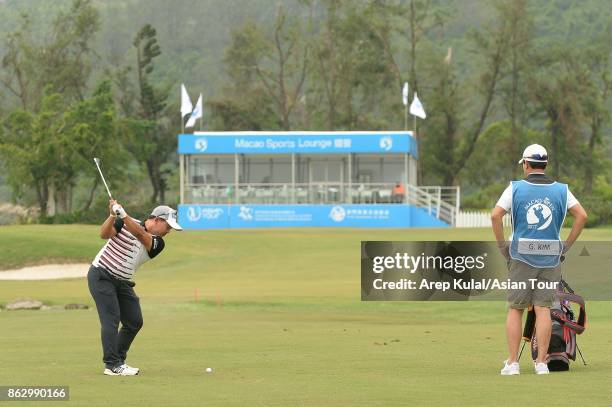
97,161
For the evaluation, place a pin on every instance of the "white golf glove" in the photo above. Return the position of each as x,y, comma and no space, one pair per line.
118,209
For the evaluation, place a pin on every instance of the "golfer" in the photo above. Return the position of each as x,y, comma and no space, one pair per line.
537,205
129,244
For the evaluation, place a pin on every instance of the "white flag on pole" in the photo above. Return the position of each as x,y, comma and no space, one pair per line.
416,108
196,114
186,106
405,94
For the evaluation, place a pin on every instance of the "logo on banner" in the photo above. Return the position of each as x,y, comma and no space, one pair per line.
386,143
201,144
194,213
337,214
246,213
211,213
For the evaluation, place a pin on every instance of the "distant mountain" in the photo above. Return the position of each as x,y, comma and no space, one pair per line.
194,34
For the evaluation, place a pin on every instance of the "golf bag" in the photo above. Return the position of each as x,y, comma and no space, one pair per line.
565,327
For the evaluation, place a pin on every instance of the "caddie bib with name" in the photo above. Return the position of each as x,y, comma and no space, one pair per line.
538,212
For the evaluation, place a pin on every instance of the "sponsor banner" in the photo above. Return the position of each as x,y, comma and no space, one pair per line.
281,216
297,142
248,216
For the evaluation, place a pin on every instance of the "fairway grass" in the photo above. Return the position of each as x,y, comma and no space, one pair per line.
278,317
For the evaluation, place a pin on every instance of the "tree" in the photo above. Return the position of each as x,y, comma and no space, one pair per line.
277,63
599,81
332,63
351,74
253,113
61,62
47,77
94,129
443,126
49,150
19,63
518,66
149,127
415,21
559,90
492,44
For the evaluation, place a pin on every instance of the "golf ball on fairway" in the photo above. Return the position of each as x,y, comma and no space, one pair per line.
209,370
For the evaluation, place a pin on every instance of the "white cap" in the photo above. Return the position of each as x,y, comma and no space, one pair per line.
168,214
534,153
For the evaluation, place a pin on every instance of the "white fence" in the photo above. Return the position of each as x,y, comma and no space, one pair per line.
477,219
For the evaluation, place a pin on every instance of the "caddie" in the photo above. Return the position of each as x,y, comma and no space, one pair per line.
537,206
130,243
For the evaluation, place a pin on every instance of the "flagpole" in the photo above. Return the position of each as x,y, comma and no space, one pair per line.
182,116
416,109
405,100
202,116
202,112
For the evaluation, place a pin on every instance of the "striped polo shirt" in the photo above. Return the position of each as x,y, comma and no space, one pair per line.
124,253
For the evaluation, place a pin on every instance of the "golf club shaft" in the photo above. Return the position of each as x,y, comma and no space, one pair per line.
581,357
523,347
102,176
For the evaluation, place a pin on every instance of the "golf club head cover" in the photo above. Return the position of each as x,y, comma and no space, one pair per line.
118,209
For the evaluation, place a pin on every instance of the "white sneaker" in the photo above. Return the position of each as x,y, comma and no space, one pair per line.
132,367
510,369
541,368
123,370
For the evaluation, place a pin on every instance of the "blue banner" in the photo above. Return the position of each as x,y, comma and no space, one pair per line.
283,216
204,216
383,142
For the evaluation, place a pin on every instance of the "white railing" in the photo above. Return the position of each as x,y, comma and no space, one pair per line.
440,202
447,194
477,219
430,199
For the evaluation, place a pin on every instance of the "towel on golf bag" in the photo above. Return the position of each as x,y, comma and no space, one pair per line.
565,327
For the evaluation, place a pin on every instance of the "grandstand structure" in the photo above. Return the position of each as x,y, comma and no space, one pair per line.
287,179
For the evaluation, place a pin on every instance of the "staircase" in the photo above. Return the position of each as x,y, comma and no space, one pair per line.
439,202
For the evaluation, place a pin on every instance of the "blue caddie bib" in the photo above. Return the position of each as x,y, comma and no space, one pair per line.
538,212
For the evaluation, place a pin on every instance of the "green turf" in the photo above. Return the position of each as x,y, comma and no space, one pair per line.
280,321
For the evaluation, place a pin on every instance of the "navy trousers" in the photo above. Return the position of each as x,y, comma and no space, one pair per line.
116,302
